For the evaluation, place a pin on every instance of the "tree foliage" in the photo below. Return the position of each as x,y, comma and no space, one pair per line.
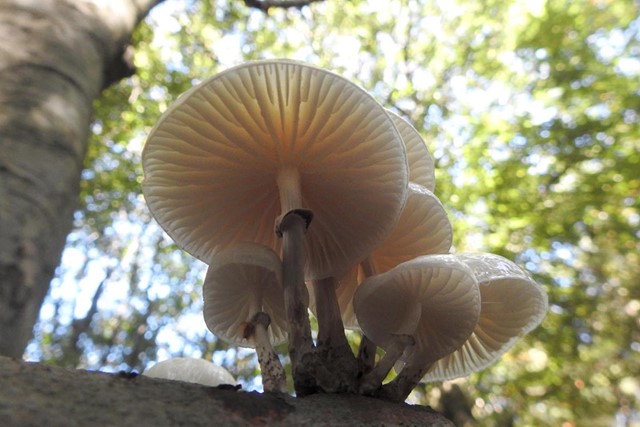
531,112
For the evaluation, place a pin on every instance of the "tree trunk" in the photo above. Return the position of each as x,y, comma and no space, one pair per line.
37,395
55,58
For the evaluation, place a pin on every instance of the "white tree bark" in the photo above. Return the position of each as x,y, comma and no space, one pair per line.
55,58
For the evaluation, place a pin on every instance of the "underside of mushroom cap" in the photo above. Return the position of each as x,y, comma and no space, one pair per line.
448,300
421,163
213,160
422,229
512,305
241,281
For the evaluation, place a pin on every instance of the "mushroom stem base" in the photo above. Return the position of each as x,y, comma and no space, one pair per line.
400,388
366,355
273,376
333,348
373,380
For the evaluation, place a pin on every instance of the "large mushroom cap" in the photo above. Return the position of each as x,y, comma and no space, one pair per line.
512,305
421,164
422,229
190,370
241,281
434,298
214,162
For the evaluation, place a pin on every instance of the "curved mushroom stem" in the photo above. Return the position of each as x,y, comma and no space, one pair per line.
291,227
273,376
332,346
367,350
366,355
373,380
400,388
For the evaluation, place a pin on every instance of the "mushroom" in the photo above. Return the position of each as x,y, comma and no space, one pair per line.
198,371
244,305
513,304
421,164
434,299
422,229
278,140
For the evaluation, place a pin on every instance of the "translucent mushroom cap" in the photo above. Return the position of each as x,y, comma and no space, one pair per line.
434,298
190,370
422,229
421,164
215,163
241,281
512,305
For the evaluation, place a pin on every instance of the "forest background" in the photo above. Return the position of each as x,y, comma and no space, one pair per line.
531,110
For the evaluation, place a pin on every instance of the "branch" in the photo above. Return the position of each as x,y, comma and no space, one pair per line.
35,395
265,5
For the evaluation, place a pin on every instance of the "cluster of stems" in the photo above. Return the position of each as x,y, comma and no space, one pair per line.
329,365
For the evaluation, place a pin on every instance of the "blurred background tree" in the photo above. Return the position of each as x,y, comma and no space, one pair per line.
531,110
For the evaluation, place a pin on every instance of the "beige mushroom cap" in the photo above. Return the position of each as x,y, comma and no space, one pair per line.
421,163
225,160
434,298
512,305
241,281
423,229
198,371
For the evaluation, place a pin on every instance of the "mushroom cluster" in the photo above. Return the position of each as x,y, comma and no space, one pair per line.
299,190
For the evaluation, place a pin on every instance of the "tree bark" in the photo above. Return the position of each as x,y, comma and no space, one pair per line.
37,395
55,58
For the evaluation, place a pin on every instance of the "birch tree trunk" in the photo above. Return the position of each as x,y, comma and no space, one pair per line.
56,56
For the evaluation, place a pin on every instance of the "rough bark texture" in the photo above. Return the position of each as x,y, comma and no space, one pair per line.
55,58
38,395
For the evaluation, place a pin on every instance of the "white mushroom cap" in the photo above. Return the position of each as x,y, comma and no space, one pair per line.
189,370
421,163
241,281
422,229
262,138
513,304
434,298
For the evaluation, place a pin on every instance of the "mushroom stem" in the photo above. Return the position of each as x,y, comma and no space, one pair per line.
368,267
367,350
332,346
330,326
373,380
288,180
400,388
366,355
273,376
291,227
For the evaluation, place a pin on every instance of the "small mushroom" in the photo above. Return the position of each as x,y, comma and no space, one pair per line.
243,304
422,229
512,305
198,371
434,299
281,141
